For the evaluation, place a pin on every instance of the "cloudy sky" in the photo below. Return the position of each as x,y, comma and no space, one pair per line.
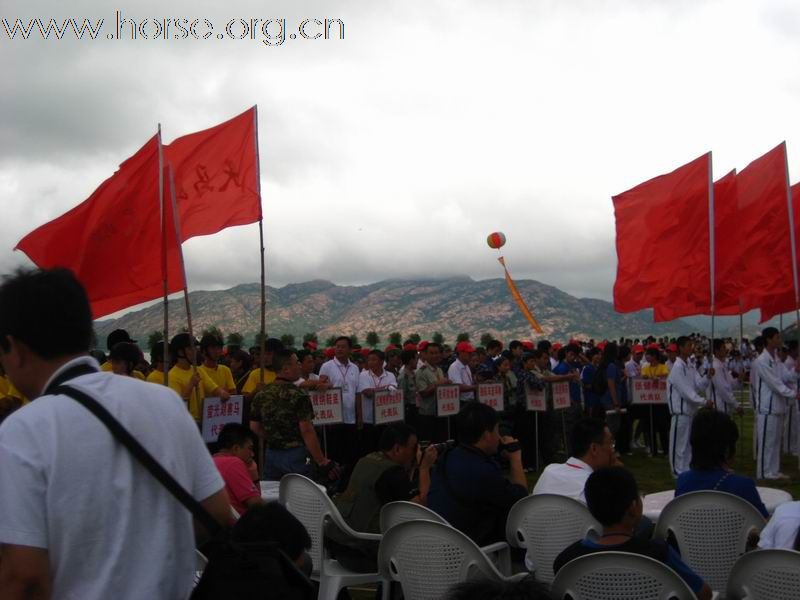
395,151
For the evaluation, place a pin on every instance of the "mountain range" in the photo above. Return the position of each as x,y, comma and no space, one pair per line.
424,306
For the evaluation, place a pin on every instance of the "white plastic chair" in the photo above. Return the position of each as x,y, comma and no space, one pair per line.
765,575
429,557
306,501
619,576
545,525
395,513
711,529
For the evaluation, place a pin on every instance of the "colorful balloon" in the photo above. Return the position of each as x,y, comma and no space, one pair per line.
496,240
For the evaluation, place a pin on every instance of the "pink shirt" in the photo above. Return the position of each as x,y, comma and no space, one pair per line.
237,481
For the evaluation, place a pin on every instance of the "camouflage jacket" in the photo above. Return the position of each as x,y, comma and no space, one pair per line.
280,407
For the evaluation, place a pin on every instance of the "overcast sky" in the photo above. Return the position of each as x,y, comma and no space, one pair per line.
396,151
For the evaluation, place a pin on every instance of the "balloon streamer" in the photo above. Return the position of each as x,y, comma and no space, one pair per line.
512,287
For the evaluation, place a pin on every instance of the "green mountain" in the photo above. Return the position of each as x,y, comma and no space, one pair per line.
450,306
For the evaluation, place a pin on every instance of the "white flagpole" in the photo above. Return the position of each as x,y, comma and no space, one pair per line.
164,276
263,342
712,252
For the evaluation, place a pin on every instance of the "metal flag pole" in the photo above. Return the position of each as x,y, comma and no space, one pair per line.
163,207
712,261
263,341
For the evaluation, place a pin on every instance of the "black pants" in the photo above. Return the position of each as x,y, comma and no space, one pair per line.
344,443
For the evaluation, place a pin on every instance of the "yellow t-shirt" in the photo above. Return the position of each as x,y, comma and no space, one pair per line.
221,375
156,377
106,366
254,378
654,372
179,378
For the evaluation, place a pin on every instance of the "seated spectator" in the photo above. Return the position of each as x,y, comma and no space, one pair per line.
482,589
713,439
377,479
235,443
468,487
613,499
591,448
783,529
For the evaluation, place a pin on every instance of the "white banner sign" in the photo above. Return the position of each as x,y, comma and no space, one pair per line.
327,406
217,414
388,406
491,394
536,399
561,397
447,400
648,391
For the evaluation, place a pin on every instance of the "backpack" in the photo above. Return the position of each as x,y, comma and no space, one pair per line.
600,381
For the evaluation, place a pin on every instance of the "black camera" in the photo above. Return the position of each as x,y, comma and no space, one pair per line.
512,447
441,447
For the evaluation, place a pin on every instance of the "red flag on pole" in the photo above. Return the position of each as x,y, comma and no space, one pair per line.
725,206
754,254
216,176
787,302
112,240
663,240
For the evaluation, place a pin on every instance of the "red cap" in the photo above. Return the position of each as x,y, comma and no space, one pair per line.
311,345
653,346
602,345
330,352
410,346
365,351
638,348
464,347
672,348
422,345
528,346
575,342
390,347
556,346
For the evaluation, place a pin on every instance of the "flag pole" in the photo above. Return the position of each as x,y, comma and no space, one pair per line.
163,254
263,341
793,241
711,256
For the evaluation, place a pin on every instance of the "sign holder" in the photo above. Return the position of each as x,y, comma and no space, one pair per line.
651,392
536,402
447,402
216,414
491,394
561,401
330,397
388,397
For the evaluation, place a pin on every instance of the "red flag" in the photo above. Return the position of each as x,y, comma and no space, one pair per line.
725,205
783,303
753,251
216,176
663,240
112,240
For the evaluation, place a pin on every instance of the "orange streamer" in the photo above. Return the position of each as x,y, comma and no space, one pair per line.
512,287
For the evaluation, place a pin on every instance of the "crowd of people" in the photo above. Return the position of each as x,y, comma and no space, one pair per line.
78,518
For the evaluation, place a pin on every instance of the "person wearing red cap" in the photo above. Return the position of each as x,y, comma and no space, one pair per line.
672,355
460,372
343,373
371,379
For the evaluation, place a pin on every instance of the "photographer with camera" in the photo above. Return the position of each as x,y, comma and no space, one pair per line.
468,487
379,478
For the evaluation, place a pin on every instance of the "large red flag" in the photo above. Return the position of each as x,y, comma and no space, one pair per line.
725,205
216,176
753,258
663,240
112,241
787,302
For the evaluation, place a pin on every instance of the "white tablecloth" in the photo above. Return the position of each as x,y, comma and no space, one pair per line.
655,503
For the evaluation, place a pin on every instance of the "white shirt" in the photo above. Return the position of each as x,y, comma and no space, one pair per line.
770,391
553,363
782,528
722,388
66,485
311,377
567,479
367,380
633,369
345,377
460,373
682,395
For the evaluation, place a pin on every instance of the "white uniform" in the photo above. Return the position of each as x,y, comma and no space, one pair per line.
633,369
770,396
722,388
791,421
345,376
460,373
683,400
367,380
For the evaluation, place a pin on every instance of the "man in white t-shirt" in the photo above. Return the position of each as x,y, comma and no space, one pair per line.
341,372
79,516
460,373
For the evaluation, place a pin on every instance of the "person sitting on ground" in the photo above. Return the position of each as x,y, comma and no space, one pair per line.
485,589
783,529
468,488
713,439
591,448
233,457
613,499
377,479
